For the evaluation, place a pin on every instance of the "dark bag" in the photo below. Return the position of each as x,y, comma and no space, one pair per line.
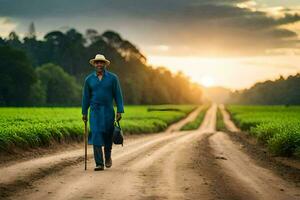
118,134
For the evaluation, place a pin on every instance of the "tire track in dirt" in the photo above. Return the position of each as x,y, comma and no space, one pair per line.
174,175
243,174
253,180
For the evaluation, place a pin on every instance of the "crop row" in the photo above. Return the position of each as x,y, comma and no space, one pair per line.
276,126
35,127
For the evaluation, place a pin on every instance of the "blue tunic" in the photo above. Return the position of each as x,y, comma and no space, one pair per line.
98,95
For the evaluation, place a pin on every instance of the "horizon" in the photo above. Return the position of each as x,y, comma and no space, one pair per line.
232,44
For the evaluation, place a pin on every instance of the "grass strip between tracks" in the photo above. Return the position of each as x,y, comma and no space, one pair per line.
220,122
197,122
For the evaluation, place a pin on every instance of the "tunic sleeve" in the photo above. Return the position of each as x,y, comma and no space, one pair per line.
86,95
117,92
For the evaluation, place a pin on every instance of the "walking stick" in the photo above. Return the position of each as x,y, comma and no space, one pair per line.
85,143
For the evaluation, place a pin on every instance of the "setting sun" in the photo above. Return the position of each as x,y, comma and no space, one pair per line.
207,81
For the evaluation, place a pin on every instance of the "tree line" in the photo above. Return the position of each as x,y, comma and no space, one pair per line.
51,71
282,91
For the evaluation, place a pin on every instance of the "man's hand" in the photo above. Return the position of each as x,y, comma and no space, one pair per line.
119,117
84,118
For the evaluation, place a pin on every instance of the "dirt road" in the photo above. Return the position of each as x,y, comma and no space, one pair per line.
200,164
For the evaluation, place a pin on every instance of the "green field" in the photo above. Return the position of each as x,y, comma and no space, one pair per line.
276,126
36,127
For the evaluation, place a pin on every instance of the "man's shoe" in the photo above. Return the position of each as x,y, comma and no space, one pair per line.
99,168
108,163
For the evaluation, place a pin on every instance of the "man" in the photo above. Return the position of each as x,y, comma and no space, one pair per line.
100,89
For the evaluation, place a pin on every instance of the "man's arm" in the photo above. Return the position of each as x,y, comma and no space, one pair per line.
118,98
85,100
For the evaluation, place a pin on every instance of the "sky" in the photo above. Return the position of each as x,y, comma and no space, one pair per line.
230,43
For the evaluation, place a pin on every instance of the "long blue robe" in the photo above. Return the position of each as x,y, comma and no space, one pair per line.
98,95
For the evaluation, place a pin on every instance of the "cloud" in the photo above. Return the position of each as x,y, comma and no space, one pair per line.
190,27
6,26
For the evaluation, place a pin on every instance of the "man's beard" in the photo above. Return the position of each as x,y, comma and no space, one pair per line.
101,69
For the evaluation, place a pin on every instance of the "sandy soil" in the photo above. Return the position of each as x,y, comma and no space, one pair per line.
200,164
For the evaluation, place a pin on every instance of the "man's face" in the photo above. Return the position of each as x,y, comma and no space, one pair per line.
99,65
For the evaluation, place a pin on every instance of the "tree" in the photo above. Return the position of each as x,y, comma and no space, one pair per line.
281,91
2,42
17,77
31,32
60,87
13,40
37,95
92,35
113,39
70,50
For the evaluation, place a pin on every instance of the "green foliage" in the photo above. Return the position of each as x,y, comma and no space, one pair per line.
60,87
35,127
279,92
276,126
197,122
38,95
17,77
71,50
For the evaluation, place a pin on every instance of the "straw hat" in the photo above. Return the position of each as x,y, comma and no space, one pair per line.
99,57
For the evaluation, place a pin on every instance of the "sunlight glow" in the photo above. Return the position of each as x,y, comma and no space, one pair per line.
207,81
233,73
